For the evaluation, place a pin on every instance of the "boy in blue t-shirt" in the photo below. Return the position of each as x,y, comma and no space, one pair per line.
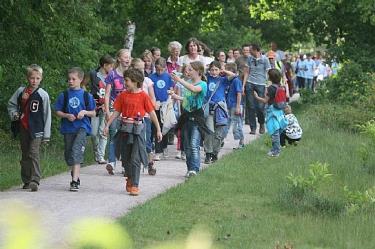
235,105
75,107
162,84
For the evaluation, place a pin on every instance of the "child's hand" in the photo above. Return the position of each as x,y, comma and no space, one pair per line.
71,117
159,136
81,114
238,111
255,94
105,131
175,77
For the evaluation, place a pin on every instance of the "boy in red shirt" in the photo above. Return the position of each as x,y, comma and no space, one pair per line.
133,104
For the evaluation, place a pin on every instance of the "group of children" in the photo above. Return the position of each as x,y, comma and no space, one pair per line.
133,112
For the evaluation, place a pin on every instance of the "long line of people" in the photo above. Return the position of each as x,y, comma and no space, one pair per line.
135,104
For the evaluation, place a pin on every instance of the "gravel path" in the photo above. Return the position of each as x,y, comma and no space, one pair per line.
100,195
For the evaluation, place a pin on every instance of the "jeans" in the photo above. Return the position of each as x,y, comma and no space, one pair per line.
236,121
275,137
148,125
163,144
192,139
309,84
30,161
99,141
111,143
254,107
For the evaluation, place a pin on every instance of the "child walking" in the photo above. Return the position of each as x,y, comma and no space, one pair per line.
192,120
97,87
75,106
133,104
30,105
275,120
235,106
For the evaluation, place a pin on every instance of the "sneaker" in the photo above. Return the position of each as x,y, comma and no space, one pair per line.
214,157
252,131
222,144
187,174
134,191
192,173
128,185
151,169
33,186
26,186
207,159
78,180
165,153
102,161
178,155
262,129
183,156
109,169
74,187
240,146
157,157
272,154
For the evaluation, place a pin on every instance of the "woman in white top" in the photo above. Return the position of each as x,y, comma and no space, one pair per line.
192,50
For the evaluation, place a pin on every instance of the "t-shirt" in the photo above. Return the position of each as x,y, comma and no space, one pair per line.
162,83
147,82
97,85
130,104
309,73
293,130
193,101
173,66
300,67
25,107
75,104
117,83
258,70
235,87
186,60
220,92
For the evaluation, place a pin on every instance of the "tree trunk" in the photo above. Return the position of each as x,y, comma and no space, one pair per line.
129,37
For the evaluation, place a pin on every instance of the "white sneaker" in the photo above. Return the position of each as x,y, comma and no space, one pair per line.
178,155
157,157
192,173
165,154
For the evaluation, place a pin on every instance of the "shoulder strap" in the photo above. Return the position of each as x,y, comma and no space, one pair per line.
86,99
65,106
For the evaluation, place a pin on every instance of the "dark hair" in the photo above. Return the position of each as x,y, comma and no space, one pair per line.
274,76
154,49
214,64
78,71
192,40
231,66
135,75
106,59
246,45
206,49
255,47
161,62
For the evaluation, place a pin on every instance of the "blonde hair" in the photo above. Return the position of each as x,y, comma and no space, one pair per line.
135,62
199,67
146,53
34,68
119,53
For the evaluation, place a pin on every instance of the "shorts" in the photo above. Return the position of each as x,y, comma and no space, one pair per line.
74,144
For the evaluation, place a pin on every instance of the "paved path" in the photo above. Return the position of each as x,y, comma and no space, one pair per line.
100,195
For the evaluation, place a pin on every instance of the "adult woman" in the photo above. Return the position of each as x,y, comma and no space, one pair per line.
192,50
173,62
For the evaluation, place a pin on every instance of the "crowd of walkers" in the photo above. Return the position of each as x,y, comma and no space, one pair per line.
136,107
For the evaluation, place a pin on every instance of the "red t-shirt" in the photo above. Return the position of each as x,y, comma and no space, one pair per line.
129,104
25,107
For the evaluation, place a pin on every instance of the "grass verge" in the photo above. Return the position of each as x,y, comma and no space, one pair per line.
241,199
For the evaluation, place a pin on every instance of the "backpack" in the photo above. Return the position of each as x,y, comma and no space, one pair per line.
85,97
280,97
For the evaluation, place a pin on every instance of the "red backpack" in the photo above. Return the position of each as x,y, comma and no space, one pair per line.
280,97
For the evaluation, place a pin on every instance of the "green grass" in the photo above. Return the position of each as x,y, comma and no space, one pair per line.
238,198
52,161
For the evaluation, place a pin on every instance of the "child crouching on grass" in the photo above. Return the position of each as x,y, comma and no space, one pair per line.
75,106
293,131
133,104
275,120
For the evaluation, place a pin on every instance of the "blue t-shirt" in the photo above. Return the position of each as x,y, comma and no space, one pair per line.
193,101
117,83
162,83
76,103
301,67
235,86
309,65
220,92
